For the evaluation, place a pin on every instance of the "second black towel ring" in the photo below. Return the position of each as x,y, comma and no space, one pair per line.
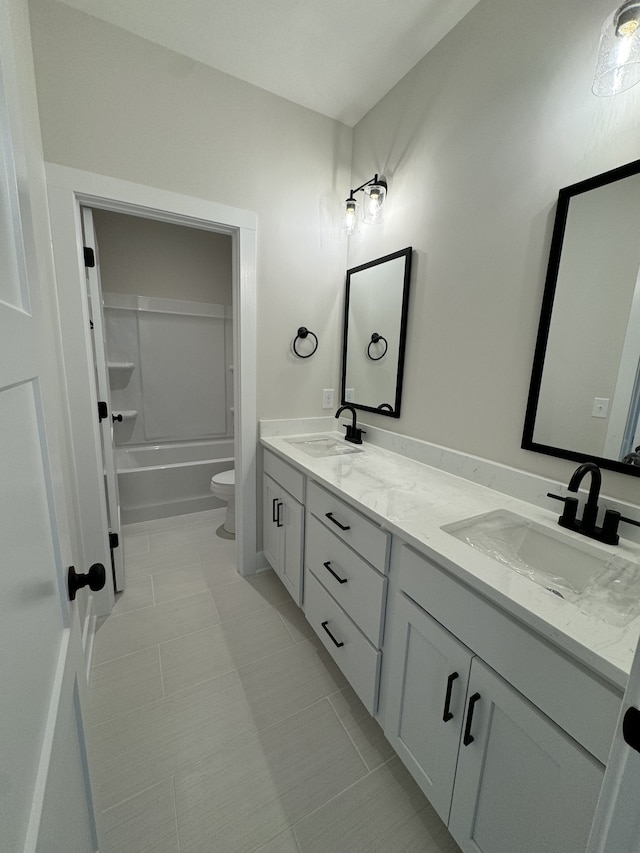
303,332
375,337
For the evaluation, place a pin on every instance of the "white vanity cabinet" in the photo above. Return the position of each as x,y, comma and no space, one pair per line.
346,560
283,522
500,772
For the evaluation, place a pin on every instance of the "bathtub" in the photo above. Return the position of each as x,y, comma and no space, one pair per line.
157,481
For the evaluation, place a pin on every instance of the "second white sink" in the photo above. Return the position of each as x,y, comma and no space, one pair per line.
571,568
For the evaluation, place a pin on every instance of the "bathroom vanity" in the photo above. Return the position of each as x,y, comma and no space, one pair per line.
499,690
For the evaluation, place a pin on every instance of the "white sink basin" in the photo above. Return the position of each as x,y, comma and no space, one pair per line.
323,445
599,582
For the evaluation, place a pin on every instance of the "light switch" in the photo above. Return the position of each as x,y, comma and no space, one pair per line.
600,407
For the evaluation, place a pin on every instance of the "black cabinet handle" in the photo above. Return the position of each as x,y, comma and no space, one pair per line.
468,737
327,566
446,714
329,515
278,521
324,625
274,517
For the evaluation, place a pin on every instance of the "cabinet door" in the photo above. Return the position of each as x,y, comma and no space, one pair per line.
522,784
291,516
428,675
271,522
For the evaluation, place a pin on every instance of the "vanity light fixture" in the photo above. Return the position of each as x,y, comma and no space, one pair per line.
618,63
375,192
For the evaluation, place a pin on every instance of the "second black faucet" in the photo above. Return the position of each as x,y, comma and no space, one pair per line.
354,434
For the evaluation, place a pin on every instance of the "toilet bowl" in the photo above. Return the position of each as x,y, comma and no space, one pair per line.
223,486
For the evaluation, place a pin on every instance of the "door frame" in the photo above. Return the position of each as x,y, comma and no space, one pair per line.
68,190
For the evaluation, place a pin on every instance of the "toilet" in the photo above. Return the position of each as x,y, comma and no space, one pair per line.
223,486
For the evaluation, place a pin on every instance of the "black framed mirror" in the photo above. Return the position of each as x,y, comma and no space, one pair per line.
375,328
584,397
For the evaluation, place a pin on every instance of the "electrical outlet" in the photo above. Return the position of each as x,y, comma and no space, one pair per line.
327,398
350,395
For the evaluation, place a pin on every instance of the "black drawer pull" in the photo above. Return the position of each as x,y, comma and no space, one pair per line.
324,625
278,521
327,566
468,737
329,515
273,510
446,714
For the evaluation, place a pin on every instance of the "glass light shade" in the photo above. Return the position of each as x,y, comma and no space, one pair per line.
618,63
374,196
351,216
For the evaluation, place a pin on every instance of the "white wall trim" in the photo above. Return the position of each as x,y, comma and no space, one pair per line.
69,189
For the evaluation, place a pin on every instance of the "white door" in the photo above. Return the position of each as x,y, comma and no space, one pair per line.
616,827
45,799
94,292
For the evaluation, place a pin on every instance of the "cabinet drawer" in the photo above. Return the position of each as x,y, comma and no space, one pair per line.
359,589
356,657
288,476
363,535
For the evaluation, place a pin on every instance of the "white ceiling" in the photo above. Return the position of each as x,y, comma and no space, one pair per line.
338,57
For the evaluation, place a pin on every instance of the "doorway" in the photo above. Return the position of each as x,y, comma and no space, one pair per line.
69,190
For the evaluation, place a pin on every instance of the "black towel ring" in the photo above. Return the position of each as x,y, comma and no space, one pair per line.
303,332
385,407
375,337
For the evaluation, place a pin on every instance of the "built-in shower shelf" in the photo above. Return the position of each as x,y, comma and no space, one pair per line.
127,414
120,366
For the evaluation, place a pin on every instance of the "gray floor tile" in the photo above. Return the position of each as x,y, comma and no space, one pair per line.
135,544
195,658
249,595
138,593
145,823
227,802
138,749
179,583
255,636
216,548
363,730
219,573
288,681
193,532
310,759
283,843
214,516
383,812
150,626
162,560
124,684
295,621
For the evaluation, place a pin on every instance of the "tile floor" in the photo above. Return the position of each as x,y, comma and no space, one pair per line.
218,724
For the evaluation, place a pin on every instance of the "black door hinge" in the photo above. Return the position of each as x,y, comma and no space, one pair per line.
114,541
102,411
89,257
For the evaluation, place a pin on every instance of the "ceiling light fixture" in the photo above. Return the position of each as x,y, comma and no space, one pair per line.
375,192
618,63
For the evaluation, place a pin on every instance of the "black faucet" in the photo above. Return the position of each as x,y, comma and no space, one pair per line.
354,434
587,525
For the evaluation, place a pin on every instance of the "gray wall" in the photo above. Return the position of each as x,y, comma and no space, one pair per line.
111,102
476,141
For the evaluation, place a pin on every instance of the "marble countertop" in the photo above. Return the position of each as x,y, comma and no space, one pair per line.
414,501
